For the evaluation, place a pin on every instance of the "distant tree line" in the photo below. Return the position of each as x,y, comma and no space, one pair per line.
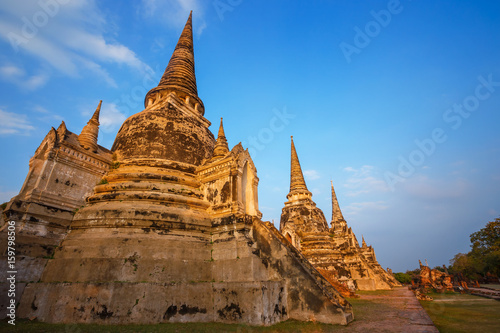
484,256
481,263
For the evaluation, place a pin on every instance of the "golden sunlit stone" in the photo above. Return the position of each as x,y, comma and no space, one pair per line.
334,250
173,232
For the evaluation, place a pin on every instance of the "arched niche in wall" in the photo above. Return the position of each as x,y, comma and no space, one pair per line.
247,190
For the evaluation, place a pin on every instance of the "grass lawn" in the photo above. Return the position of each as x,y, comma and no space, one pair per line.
491,286
288,326
463,313
364,311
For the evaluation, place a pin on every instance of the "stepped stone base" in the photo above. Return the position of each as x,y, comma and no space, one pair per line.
243,272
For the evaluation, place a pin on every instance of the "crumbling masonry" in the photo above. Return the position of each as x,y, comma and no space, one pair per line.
172,231
333,250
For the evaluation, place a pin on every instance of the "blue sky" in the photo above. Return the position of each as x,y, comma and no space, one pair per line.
397,102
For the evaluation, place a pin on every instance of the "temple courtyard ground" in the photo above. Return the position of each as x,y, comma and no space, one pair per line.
378,311
463,313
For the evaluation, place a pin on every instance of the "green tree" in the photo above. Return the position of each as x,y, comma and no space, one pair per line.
486,247
403,278
439,268
462,264
414,274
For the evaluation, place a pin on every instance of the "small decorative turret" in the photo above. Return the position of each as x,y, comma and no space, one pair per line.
337,216
297,181
88,136
363,243
221,147
300,210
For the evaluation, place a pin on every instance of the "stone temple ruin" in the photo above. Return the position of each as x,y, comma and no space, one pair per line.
333,250
172,231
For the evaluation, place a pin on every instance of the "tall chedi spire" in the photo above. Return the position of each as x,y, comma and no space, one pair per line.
162,144
221,147
88,136
179,76
336,212
296,176
172,126
298,188
300,213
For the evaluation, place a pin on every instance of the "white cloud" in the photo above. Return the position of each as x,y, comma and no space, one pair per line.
110,117
364,180
44,115
40,109
18,76
71,39
423,187
174,13
99,71
311,174
13,123
316,192
11,71
358,207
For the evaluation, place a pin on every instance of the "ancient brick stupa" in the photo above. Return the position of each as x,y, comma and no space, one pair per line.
333,251
172,232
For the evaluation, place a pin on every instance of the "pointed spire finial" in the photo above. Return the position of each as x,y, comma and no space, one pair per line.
179,76
297,181
221,130
221,147
336,212
88,136
97,112
363,243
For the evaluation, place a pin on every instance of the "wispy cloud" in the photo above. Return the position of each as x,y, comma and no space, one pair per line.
426,188
44,115
40,109
72,40
18,76
358,207
14,123
175,12
311,174
364,180
110,117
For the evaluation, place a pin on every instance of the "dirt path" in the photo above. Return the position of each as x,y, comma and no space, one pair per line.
395,311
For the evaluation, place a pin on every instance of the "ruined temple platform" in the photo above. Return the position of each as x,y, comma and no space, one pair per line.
401,313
